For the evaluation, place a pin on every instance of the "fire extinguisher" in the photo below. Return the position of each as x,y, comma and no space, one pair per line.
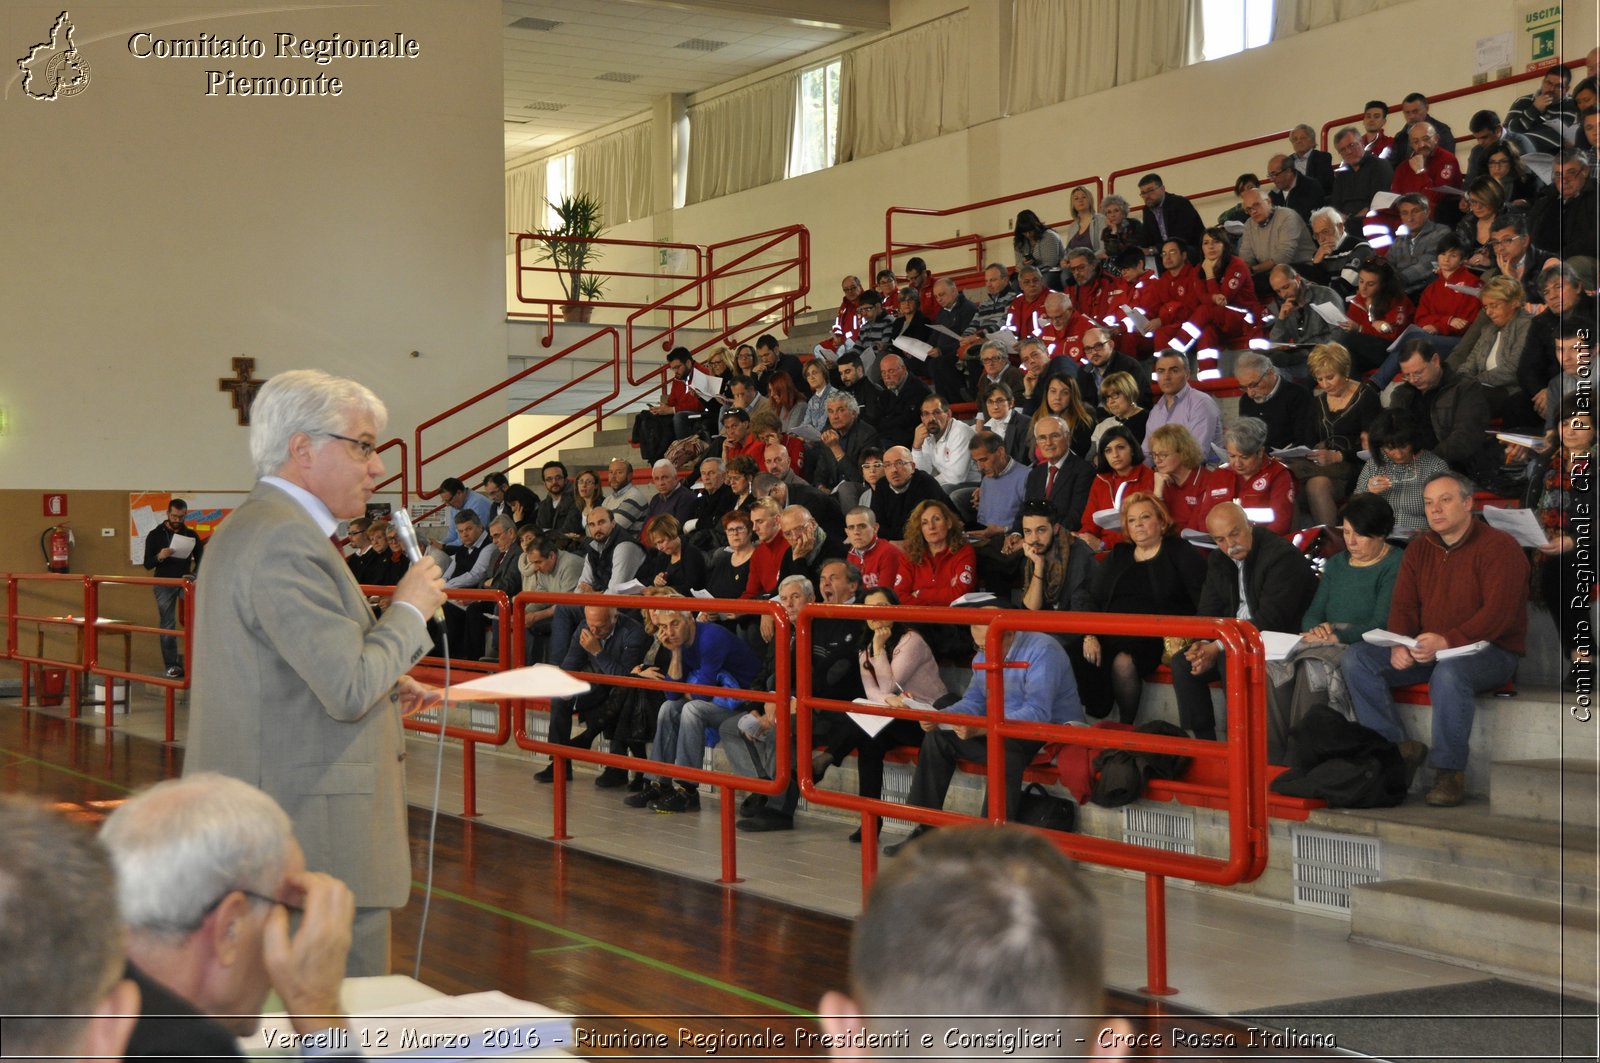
56,543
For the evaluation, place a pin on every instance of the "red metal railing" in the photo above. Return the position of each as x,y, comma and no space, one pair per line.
1243,754
90,627
432,670
587,417
1523,78
965,273
402,474
727,782
528,245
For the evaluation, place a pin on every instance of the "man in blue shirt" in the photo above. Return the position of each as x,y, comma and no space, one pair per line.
704,654
1039,688
459,497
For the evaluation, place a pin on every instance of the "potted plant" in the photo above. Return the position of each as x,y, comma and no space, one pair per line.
570,248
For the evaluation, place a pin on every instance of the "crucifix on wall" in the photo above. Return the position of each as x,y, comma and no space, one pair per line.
243,385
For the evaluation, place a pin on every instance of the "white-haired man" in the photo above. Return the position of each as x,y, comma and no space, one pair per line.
298,688
208,871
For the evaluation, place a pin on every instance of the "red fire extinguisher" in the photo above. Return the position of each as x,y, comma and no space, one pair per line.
56,543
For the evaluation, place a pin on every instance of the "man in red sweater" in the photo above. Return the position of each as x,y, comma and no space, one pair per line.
1428,168
882,563
1462,584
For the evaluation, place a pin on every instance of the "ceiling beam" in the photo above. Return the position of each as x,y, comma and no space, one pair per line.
858,16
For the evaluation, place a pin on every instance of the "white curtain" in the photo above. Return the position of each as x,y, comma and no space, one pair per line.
615,169
1296,16
525,205
904,89
740,139
1060,51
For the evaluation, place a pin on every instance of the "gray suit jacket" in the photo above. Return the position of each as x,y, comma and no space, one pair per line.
294,691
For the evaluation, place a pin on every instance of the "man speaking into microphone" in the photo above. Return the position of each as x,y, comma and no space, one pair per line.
298,688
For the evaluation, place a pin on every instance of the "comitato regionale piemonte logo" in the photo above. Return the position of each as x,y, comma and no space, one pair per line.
54,69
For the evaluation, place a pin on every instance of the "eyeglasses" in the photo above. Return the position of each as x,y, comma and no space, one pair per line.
870,466
897,464
361,445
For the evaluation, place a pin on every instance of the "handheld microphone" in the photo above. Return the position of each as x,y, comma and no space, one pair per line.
408,539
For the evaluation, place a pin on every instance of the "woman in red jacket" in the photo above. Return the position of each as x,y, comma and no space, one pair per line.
1378,313
1229,316
1180,480
1443,312
943,565
1260,483
1121,471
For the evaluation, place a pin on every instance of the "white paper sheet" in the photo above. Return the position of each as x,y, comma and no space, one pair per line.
1279,644
915,348
1380,637
1521,524
182,546
1109,519
534,681
1331,314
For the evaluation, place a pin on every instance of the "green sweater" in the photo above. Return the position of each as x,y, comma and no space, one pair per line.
1354,600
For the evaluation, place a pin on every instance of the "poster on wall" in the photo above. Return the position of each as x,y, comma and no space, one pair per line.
146,509
1538,35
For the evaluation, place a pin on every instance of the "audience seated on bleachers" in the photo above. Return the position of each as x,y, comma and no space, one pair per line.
1547,116
992,312
1575,357
854,382
1293,189
1088,284
627,501
1343,411
1488,132
1181,404
1272,236
1230,314
1102,359
1378,313
1352,598
994,367
1253,575
547,568
1151,571
1360,176
1461,583
1309,160
1180,480
941,446
1491,349
1374,140
1399,468
1254,479
1119,471
1167,217
1041,692
1415,109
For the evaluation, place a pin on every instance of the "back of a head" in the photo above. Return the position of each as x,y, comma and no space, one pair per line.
62,948
182,844
981,922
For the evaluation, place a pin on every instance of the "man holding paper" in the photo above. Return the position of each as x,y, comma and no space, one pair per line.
1460,583
172,551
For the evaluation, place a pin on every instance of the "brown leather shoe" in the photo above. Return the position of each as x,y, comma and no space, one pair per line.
1449,789
1415,754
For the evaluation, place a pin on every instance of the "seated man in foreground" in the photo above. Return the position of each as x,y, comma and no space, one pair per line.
979,922
62,990
208,870
1042,692
1461,583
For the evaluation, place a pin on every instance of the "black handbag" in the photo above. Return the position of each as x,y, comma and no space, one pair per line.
1041,808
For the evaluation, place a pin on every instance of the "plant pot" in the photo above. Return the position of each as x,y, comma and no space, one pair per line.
577,313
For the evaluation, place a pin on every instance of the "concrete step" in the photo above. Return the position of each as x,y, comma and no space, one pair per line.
1557,790
579,458
607,437
1472,847
1542,940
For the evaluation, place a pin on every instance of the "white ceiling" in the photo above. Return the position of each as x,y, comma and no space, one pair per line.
605,60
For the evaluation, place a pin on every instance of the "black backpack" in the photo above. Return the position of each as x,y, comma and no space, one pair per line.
1341,762
1120,774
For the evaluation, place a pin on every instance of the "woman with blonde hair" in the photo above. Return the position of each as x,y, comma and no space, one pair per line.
1119,401
1180,468
1346,408
1087,224
1490,351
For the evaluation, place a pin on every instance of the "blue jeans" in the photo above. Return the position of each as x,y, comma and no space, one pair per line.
681,733
1452,684
167,599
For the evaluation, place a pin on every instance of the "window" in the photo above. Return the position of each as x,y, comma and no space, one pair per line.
1231,26
816,125
557,186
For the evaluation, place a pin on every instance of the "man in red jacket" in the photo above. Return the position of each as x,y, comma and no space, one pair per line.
1463,586
1429,168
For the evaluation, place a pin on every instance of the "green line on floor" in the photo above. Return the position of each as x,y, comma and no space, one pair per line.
618,950
23,758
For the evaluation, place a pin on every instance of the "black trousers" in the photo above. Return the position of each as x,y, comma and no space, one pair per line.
942,751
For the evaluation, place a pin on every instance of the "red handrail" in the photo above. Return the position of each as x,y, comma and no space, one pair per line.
526,242
15,617
94,627
1455,94
979,242
728,782
403,474
424,458
1243,754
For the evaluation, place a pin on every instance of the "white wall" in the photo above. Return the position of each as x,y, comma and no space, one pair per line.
1313,77
153,233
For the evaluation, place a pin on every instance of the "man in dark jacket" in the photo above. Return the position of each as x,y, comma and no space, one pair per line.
1168,217
897,493
1453,410
1564,217
608,643
163,560
1254,575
